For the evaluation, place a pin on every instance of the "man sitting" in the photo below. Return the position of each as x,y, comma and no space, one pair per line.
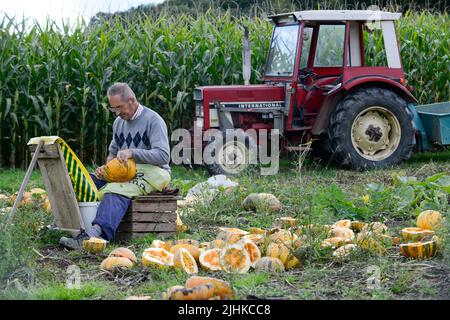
139,133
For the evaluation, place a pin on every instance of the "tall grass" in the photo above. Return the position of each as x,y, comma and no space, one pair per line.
53,80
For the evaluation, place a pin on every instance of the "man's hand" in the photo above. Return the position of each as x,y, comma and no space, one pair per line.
99,172
124,155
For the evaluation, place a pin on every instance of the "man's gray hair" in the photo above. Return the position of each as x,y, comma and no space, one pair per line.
122,89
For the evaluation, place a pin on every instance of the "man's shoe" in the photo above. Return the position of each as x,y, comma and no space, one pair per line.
74,243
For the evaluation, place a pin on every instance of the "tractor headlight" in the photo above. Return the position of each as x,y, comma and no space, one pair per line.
198,108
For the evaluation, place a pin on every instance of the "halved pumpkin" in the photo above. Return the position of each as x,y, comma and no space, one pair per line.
184,260
217,243
257,231
170,244
94,245
284,253
430,219
193,250
221,288
166,295
341,232
256,238
252,249
157,244
419,250
342,224
335,242
161,254
282,236
269,264
230,235
210,260
416,234
114,263
124,252
344,251
151,261
234,259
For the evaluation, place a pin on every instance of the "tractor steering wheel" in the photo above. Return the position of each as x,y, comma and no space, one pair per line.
305,73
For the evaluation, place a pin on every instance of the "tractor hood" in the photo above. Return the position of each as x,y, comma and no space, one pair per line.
241,96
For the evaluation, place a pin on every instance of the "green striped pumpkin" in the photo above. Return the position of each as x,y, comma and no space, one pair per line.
419,250
269,264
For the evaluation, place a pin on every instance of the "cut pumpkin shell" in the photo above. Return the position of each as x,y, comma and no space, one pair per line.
335,242
157,244
256,238
341,232
210,260
416,234
94,245
184,260
193,250
234,259
160,254
151,261
344,251
170,244
342,224
252,249
285,222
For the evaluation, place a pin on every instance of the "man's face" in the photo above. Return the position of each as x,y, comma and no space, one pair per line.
123,109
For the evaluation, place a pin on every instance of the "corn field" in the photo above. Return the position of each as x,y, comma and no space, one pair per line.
53,80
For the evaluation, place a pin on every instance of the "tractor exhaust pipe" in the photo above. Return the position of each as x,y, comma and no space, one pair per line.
246,61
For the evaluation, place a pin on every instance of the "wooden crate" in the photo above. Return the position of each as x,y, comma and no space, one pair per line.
146,214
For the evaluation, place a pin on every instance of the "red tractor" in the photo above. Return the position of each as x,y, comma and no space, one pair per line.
318,88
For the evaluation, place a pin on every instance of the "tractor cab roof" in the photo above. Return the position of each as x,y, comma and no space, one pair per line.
335,15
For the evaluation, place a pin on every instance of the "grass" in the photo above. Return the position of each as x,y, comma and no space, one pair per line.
34,267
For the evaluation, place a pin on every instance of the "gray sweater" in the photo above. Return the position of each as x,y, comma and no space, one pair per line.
146,136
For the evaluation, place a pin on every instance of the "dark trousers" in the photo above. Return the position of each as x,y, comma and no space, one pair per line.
111,210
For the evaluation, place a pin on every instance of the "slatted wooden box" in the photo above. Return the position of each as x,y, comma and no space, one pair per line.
151,213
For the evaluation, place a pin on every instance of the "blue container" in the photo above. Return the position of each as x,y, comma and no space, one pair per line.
436,121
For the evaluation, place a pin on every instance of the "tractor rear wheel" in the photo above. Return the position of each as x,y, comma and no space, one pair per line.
371,128
232,155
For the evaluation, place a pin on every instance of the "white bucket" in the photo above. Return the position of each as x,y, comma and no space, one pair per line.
88,212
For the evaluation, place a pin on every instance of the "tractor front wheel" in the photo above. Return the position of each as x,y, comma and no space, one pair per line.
371,128
230,156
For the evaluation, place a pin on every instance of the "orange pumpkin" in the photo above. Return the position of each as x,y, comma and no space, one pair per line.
114,263
221,288
335,242
375,227
234,259
157,244
120,171
256,238
210,260
230,235
344,251
124,252
201,292
430,219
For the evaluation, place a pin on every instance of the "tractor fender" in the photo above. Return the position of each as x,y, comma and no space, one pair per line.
330,102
